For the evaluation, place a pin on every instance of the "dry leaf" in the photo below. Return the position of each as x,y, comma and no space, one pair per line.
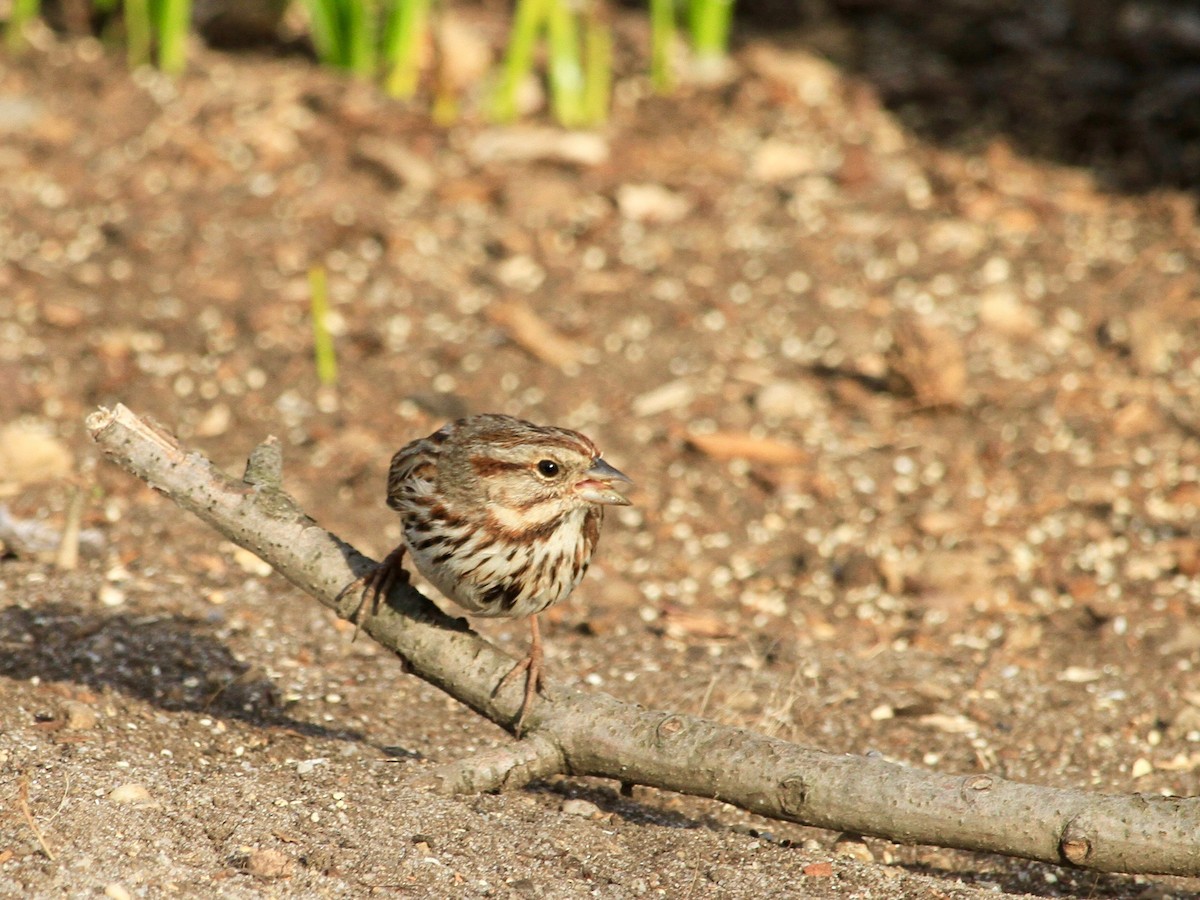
950,724
928,360
739,445
672,395
678,622
528,144
528,331
1181,762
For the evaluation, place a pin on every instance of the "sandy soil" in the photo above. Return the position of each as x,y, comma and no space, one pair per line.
914,427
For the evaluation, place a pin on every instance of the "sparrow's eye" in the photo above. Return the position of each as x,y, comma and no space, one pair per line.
547,468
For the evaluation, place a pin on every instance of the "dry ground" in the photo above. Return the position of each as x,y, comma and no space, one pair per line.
964,534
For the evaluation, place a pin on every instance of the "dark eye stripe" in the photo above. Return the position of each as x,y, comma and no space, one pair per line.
485,466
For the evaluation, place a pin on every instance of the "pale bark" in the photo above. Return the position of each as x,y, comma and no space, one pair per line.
577,733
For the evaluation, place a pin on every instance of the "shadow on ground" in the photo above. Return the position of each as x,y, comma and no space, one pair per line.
1113,86
173,662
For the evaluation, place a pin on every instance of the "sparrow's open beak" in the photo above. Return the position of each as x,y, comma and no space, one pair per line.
598,484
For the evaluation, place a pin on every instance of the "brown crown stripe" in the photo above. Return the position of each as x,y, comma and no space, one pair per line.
507,436
486,466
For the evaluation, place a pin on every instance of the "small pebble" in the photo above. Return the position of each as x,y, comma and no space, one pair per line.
583,808
1001,309
789,400
651,203
110,595
117,891
776,160
250,563
268,864
854,848
79,716
132,793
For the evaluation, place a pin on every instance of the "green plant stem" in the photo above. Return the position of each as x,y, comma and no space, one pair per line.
566,70
323,20
597,75
445,91
709,22
407,26
173,21
518,60
323,350
362,36
138,32
23,12
662,37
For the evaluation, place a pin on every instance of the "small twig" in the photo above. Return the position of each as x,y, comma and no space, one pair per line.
535,336
708,692
62,802
67,557
23,805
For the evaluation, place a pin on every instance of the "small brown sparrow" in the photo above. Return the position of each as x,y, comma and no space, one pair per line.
502,516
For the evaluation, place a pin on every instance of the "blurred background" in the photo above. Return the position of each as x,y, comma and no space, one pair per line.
890,310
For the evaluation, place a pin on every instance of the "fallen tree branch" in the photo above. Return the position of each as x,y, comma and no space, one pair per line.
578,733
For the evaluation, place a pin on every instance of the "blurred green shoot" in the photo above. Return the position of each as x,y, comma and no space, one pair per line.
137,33
445,94
326,32
22,13
323,352
662,38
518,59
580,70
566,69
406,26
708,21
362,37
172,18
597,72
166,20
346,33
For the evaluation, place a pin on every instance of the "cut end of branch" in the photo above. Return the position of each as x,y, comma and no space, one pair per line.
101,419
142,427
